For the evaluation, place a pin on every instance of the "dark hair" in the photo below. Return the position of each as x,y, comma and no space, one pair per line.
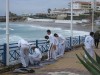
46,37
33,47
55,34
48,31
91,33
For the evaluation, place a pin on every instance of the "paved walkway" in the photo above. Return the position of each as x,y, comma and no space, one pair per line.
69,63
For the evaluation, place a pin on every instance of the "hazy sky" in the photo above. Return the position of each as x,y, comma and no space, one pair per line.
32,6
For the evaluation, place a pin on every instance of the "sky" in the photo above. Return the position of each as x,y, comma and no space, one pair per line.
32,6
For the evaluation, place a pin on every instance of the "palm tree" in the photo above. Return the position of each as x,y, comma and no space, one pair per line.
12,14
49,10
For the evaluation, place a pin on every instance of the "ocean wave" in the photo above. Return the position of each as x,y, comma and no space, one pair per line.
12,39
5,28
34,32
77,33
15,39
51,28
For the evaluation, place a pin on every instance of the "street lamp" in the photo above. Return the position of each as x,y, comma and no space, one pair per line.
71,18
7,32
93,6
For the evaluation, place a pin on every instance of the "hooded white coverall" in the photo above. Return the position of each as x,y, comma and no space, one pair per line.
61,45
89,45
24,52
35,56
51,39
52,52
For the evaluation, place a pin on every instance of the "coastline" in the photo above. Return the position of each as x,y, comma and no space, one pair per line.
64,26
20,32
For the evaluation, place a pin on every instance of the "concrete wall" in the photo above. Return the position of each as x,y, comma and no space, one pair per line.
55,21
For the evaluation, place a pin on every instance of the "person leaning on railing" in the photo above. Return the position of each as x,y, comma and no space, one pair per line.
51,52
61,44
24,52
52,49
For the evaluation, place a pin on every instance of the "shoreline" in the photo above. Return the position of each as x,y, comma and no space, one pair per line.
63,26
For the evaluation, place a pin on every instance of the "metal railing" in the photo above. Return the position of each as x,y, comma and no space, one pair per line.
41,44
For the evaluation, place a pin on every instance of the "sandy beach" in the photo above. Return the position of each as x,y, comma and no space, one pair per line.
65,26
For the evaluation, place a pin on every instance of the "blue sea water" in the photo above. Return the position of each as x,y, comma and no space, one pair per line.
31,32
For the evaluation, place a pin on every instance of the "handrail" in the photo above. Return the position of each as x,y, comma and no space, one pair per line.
41,44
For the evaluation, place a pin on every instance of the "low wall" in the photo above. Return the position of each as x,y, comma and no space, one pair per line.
68,21
39,20
55,21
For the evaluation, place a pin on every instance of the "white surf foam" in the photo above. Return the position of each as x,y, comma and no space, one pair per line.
51,28
5,28
12,39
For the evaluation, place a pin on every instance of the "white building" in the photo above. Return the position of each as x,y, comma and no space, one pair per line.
79,7
98,6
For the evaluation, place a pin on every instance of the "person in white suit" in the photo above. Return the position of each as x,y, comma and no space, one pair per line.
53,45
35,56
51,42
61,44
51,37
89,44
24,52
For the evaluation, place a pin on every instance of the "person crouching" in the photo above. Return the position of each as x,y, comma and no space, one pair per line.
35,57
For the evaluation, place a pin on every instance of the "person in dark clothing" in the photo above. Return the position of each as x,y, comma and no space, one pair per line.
96,38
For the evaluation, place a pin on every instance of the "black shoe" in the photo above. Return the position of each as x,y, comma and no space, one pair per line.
23,67
31,71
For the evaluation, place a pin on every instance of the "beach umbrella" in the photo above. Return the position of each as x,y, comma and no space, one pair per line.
7,32
71,26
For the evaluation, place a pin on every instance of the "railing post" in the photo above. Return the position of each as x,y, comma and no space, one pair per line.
84,39
36,43
79,40
4,54
70,42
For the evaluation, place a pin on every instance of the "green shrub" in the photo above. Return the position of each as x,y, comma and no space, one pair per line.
92,65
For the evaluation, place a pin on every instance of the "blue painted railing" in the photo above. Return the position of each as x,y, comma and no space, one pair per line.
42,44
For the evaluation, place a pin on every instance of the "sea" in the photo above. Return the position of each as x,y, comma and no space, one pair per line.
31,32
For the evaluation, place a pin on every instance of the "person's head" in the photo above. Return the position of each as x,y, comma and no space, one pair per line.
48,32
33,47
56,35
91,33
46,37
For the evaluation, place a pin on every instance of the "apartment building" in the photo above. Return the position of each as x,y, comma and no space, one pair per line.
79,7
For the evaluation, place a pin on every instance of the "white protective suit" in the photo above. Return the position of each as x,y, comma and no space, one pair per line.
24,52
89,45
52,52
35,56
61,45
